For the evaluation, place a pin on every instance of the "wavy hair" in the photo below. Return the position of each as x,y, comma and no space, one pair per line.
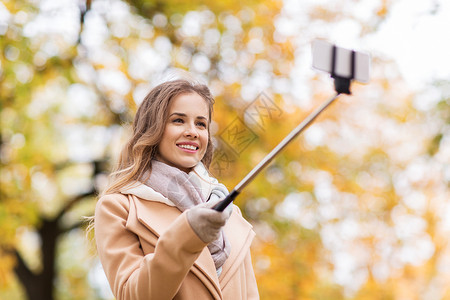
148,128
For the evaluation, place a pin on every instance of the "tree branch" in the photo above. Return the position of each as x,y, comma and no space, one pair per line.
84,8
76,225
74,201
21,269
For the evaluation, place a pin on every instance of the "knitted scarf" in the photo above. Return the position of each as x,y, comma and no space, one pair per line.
185,191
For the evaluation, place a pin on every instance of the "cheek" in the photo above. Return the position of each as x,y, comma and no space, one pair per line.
204,140
166,138
171,132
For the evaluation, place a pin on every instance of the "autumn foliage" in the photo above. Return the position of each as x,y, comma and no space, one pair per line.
356,208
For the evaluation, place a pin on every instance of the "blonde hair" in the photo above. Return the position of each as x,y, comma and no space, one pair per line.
148,128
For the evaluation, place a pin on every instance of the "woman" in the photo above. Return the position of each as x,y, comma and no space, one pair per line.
156,232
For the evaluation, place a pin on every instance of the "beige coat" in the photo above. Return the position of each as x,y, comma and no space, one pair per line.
149,251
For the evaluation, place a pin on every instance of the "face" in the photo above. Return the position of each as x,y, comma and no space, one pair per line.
185,136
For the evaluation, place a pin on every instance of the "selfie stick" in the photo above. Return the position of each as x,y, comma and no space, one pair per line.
341,85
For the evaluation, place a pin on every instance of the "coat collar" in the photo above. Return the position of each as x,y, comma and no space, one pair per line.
145,192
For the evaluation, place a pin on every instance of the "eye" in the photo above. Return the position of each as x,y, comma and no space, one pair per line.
201,124
178,120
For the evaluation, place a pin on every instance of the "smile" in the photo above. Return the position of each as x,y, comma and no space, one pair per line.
188,147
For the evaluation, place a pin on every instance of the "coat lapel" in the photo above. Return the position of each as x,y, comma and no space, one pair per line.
240,244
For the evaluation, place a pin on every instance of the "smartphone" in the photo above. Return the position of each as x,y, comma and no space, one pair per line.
340,62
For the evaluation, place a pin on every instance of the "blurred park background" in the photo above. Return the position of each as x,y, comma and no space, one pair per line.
358,207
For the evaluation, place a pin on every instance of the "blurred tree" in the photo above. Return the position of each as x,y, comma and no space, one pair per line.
35,169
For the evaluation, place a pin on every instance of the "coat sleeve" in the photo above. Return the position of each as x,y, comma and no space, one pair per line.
132,275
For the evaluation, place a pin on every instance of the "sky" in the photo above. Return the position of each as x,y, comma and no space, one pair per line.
416,36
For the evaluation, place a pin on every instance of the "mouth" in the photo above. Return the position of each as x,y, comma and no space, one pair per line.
189,147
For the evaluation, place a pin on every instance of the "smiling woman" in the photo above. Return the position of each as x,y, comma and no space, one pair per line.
156,232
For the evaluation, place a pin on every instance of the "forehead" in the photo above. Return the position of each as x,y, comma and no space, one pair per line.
189,104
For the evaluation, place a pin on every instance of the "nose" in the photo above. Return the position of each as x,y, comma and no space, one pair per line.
191,131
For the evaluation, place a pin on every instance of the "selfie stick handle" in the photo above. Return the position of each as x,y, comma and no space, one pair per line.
269,157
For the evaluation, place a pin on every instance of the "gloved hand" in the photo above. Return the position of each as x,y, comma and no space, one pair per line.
207,222
219,191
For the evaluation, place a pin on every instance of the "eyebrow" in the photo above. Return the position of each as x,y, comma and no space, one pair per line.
184,115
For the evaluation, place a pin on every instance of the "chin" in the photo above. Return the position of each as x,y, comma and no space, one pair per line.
188,164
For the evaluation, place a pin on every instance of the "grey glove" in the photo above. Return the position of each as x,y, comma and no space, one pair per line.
207,222
219,191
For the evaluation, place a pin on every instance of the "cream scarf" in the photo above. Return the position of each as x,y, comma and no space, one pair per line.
187,190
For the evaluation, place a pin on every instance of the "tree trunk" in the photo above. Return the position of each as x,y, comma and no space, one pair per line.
40,286
49,234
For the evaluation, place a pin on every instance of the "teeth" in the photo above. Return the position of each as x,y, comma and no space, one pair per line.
189,147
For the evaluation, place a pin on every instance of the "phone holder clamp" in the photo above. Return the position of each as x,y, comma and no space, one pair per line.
342,84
